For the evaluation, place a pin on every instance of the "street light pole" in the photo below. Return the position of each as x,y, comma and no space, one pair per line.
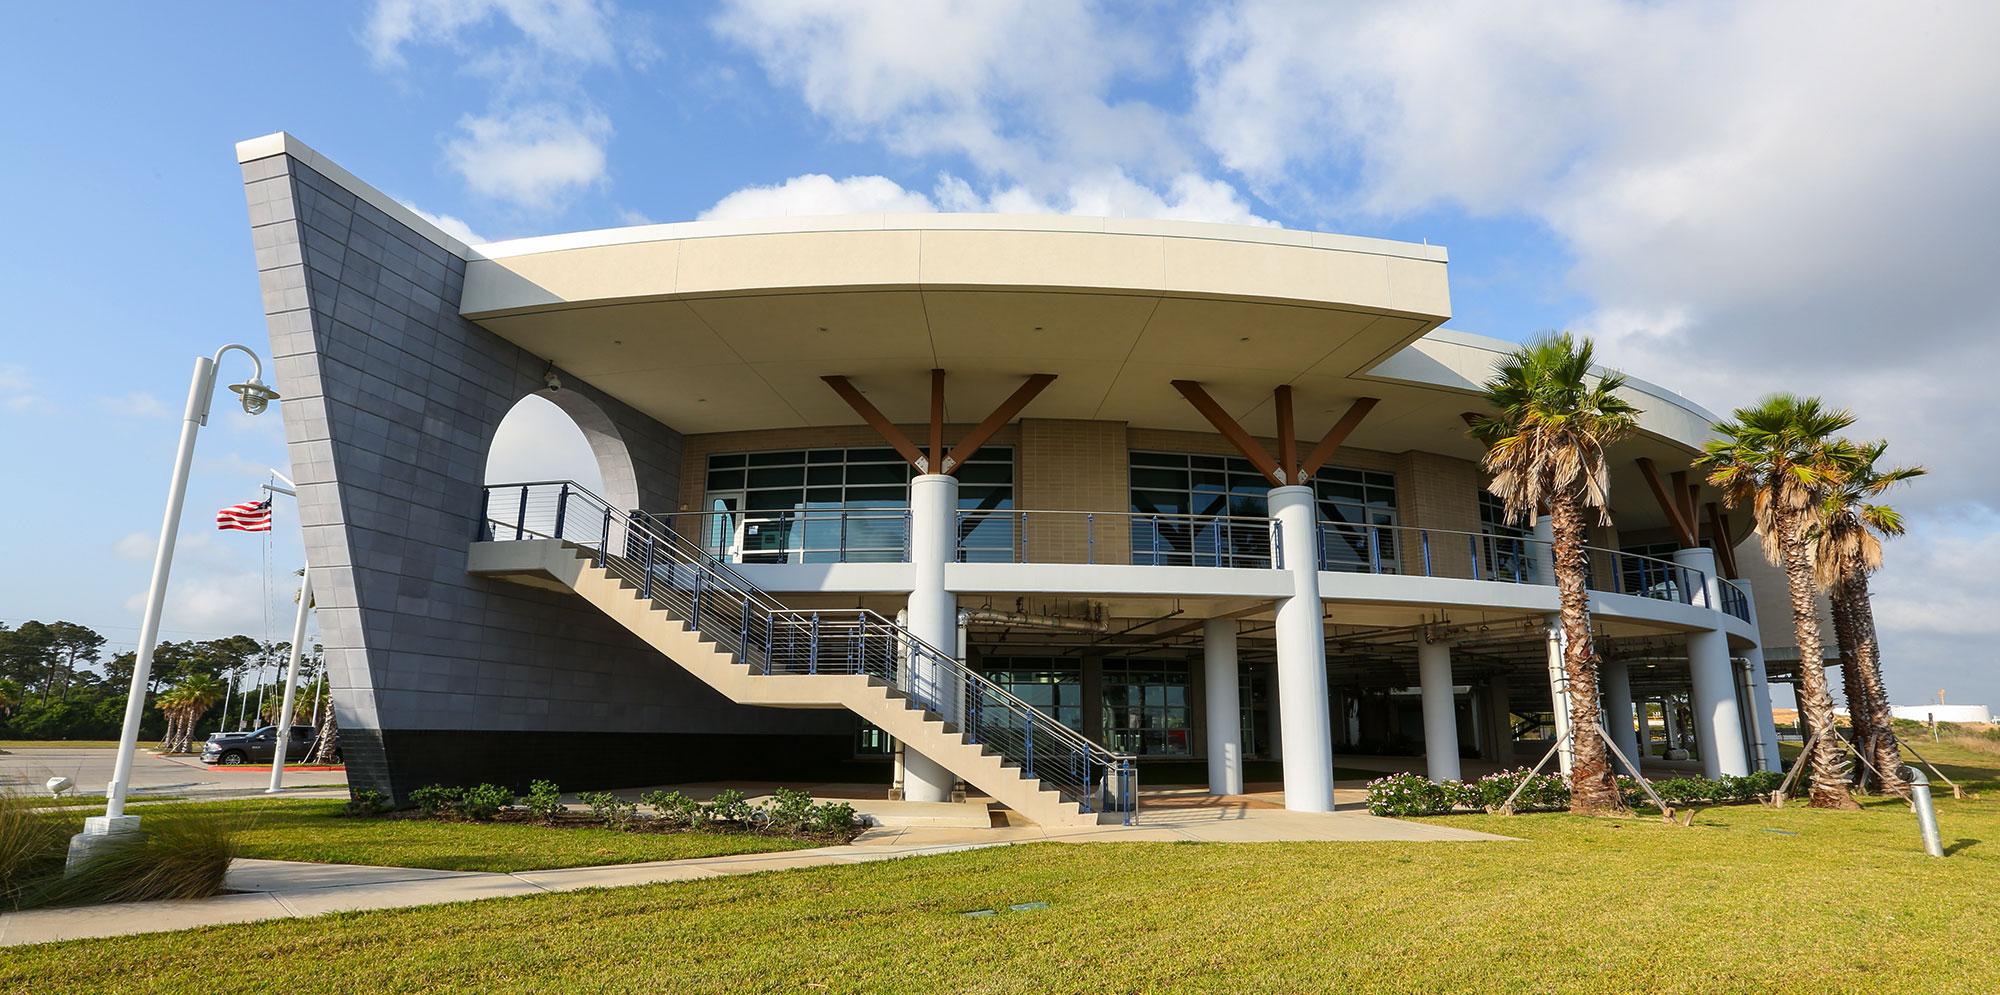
284,723
255,396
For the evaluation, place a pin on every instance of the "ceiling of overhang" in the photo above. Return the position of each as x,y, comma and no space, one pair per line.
755,362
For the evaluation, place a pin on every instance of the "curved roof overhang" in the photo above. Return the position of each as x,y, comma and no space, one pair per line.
728,326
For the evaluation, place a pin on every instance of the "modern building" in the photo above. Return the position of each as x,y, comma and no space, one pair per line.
1030,505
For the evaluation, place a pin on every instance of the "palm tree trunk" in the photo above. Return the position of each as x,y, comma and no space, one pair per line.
1593,788
1859,710
1883,749
1827,786
328,738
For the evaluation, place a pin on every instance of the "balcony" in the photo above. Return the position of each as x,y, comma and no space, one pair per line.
882,535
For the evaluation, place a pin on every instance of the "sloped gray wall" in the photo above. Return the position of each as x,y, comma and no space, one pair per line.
391,401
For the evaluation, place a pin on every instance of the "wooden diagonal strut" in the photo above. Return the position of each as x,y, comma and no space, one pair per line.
1336,435
876,420
1251,449
1669,503
937,418
1001,416
1725,549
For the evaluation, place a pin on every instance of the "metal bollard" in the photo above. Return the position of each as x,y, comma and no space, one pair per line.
1920,796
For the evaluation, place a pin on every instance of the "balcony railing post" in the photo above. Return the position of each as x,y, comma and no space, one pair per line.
1217,532
1424,538
1277,544
1156,540
562,509
1374,549
482,524
1472,549
812,647
907,529
1090,538
521,519
843,536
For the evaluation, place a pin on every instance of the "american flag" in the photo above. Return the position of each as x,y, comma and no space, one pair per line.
250,516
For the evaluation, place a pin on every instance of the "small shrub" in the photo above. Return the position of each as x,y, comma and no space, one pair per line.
832,819
614,812
32,845
434,800
1407,794
790,811
1543,792
1680,791
544,801
676,809
181,857
482,803
1764,782
729,805
365,801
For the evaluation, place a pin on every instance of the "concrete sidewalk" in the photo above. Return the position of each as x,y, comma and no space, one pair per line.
276,889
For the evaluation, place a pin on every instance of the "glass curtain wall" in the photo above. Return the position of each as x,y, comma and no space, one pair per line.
847,505
1146,710
1183,503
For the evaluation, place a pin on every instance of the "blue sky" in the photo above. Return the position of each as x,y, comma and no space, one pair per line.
1732,198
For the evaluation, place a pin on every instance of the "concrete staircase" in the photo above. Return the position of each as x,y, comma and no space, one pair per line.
663,622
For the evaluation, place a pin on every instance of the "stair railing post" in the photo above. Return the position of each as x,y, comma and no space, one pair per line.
694,613
604,544
1028,761
646,574
562,508
812,647
770,640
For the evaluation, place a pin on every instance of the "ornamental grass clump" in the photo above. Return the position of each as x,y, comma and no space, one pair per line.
171,858
32,846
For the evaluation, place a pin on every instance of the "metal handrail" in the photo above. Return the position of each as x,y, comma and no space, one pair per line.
711,598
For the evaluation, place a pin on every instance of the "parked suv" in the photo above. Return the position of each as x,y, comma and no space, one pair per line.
256,746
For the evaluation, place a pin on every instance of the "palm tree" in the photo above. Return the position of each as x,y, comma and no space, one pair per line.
1847,549
169,702
184,704
1782,456
1545,450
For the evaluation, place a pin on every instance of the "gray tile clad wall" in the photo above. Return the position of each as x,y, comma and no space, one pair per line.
391,401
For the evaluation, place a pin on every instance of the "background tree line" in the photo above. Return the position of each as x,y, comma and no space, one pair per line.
58,682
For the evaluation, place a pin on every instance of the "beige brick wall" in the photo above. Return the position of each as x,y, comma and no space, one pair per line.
1075,465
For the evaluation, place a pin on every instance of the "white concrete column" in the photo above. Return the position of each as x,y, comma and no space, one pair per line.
1559,695
933,619
1718,721
1760,696
1617,678
1440,710
1499,721
1225,713
1670,718
1301,636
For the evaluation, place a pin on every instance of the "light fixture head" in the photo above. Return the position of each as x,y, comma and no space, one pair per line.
255,394
549,378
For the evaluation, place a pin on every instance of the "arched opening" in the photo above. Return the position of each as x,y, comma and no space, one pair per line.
562,435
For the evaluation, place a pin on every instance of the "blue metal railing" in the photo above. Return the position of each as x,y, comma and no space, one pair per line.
1735,601
713,599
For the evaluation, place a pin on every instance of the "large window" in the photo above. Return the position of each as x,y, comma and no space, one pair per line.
1053,689
1182,504
1503,551
842,505
1146,708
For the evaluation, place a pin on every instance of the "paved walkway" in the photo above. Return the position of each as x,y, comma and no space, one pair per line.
276,889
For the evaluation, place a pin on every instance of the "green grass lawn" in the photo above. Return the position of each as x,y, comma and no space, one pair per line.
91,801
1749,899
314,830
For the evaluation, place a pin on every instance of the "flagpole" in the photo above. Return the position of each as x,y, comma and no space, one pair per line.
102,829
284,744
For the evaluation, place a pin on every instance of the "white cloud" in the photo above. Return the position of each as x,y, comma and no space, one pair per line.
530,156
1029,94
1109,194
448,224
17,390
136,546
580,30
818,193
137,404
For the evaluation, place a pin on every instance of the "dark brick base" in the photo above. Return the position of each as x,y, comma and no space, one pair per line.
580,761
